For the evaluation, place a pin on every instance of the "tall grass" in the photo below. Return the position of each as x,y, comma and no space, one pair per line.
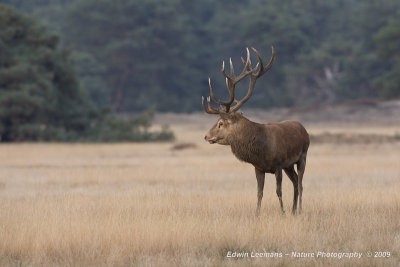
144,204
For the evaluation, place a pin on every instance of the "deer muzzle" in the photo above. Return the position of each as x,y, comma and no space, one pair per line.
210,140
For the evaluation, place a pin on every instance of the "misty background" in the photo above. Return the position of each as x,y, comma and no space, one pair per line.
69,69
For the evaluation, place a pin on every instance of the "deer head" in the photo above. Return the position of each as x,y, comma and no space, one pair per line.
229,118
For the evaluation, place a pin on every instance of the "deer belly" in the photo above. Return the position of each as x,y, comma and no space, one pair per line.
270,164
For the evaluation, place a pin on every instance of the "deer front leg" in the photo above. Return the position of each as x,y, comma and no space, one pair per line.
278,175
260,186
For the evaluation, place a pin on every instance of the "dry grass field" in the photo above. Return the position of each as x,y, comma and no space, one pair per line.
150,205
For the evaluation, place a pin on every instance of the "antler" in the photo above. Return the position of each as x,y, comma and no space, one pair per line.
232,80
255,76
209,109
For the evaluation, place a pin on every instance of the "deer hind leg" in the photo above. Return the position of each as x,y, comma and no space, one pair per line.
290,172
278,176
301,166
260,186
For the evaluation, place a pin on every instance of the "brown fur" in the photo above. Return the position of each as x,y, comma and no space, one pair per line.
270,148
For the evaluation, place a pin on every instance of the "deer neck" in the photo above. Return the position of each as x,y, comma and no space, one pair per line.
245,141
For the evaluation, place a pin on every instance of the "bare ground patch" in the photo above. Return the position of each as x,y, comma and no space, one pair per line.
372,112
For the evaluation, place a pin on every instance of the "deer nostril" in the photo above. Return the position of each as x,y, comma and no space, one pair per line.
205,137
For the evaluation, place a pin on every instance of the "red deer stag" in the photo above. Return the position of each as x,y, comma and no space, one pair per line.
271,147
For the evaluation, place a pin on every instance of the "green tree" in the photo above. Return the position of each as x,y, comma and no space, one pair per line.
342,62
40,97
363,64
144,46
388,41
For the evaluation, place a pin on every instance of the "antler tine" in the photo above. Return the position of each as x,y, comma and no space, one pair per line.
248,57
246,97
263,70
246,70
260,63
223,70
231,66
225,103
211,91
210,109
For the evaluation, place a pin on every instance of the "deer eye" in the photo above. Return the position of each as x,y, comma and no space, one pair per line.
220,124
